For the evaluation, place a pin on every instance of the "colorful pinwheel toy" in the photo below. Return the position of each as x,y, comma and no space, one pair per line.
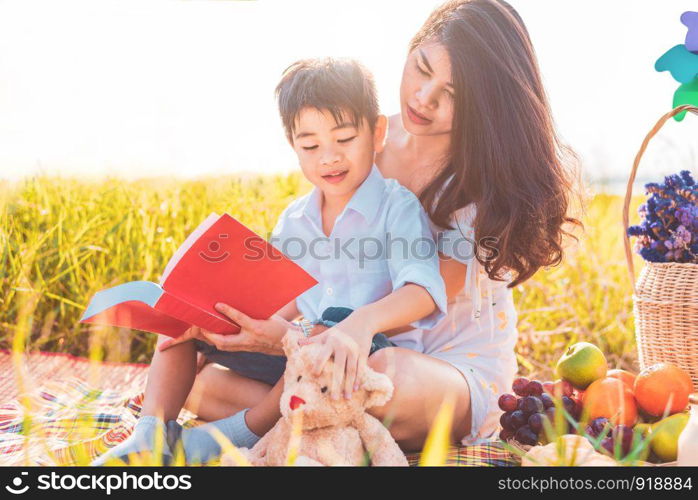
682,62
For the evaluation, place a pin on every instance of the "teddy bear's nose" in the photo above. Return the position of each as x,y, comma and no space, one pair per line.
296,402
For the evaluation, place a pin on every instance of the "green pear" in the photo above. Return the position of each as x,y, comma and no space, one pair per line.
581,364
642,434
665,436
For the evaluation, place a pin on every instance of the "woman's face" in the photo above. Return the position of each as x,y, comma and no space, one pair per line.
426,92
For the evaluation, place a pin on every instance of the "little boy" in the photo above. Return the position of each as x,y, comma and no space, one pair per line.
366,240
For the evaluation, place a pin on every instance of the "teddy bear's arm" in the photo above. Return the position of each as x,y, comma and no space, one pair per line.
380,445
303,461
257,453
272,448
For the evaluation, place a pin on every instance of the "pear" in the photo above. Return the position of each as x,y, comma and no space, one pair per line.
665,436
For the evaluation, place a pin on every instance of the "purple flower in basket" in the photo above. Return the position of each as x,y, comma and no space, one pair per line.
687,178
688,216
659,246
673,181
651,255
682,236
669,229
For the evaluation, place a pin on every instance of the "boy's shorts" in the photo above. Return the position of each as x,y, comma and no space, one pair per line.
268,368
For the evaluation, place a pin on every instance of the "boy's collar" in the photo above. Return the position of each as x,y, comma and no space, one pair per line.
366,200
368,197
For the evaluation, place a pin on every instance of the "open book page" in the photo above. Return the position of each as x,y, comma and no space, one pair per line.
184,247
142,291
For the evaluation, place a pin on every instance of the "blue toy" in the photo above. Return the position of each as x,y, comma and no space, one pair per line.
680,62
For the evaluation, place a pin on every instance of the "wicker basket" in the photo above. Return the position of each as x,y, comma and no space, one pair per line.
665,302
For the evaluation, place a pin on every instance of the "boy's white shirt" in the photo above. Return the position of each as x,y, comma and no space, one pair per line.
381,211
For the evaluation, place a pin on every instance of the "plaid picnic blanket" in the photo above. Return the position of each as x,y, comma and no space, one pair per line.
71,410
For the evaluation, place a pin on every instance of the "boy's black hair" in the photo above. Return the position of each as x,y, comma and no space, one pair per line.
343,87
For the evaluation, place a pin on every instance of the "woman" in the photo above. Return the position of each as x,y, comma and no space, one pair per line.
475,141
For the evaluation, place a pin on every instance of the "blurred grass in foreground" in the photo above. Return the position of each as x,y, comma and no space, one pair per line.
65,239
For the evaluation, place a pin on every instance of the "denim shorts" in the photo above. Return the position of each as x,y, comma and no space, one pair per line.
268,368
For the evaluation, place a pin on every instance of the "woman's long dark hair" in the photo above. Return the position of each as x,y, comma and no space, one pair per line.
505,154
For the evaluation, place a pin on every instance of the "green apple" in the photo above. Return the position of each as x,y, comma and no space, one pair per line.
581,364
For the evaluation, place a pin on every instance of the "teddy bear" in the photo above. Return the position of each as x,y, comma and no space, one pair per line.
331,432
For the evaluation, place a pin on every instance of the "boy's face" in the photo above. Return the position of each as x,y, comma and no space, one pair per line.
335,157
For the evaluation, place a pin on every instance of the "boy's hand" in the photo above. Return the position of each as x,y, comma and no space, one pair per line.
193,332
349,343
256,335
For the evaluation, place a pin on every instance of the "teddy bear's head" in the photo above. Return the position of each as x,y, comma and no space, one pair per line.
310,394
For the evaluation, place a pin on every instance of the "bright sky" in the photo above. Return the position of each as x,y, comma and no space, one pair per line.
185,88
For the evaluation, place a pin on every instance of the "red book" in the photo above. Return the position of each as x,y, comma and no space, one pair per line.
221,261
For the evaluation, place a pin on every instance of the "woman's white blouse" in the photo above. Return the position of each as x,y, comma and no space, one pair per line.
479,332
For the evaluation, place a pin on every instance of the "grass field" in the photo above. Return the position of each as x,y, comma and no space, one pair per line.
65,239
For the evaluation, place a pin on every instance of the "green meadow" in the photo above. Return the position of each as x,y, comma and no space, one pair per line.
64,239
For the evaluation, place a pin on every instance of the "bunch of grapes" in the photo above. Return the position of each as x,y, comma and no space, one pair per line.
669,230
620,436
524,416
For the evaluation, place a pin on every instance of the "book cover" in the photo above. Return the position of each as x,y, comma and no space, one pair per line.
221,261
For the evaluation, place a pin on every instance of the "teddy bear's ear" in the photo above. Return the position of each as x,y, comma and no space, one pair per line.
379,388
290,342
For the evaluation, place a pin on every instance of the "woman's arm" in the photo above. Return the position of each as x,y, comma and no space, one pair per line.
453,274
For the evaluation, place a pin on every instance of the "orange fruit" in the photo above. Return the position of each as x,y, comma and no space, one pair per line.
624,376
663,387
609,397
